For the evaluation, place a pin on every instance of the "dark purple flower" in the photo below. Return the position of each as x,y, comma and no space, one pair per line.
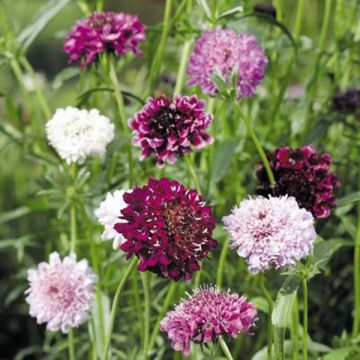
118,33
206,315
304,174
347,102
168,129
225,51
168,227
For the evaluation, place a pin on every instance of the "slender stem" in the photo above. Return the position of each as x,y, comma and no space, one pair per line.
115,304
180,80
71,345
305,319
192,173
299,19
225,349
278,8
166,304
269,325
257,144
220,271
145,282
73,228
356,321
295,330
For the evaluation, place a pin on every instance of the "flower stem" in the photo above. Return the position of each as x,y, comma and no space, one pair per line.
180,79
225,349
220,271
115,304
356,321
305,319
71,345
269,325
295,330
73,231
145,282
257,144
192,173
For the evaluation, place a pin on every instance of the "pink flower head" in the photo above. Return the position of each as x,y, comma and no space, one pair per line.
118,33
61,292
168,129
304,174
224,51
206,315
168,227
270,232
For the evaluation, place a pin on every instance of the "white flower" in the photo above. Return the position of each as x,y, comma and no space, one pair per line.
108,214
76,134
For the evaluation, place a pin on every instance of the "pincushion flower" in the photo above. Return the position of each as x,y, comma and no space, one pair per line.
108,214
169,228
207,314
304,174
225,52
167,129
347,102
76,134
116,33
61,292
270,232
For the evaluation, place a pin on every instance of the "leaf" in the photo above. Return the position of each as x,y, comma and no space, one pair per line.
260,303
65,75
219,81
41,19
235,10
349,199
224,154
282,311
205,6
339,354
14,214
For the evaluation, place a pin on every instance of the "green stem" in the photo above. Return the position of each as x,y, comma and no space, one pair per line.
257,144
295,330
269,325
356,321
115,304
180,80
225,349
166,304
192,173
305,319
220,271
145,282
278,8
73,228
71,345
299,19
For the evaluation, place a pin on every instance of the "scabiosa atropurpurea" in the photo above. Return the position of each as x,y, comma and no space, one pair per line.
304,174
270,232
225,51
117,33
61,292
347,102
168,129
205,316
108,214
168,227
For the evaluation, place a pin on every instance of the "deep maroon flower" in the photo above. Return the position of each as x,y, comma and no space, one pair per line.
224,51
168,129
118,33
304,174
347,102
168,227
206,315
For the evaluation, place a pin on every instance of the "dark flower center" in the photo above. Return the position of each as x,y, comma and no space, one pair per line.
165,121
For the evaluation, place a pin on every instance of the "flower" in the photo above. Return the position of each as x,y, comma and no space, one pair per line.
224,51
76,134
206,315
108,214
347,102
168,129
168,227
270,231
61,292
304,174
117,33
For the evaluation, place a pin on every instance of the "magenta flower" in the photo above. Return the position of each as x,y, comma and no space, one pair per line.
168,227
206,315
304,174
270,232
117,33
61,292
224,51
168,129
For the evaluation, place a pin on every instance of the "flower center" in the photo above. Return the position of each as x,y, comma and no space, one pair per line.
165,121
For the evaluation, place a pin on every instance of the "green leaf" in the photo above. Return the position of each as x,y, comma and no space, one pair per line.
349,199
224,154
41,19
219,81
205,6
14,214
282,312
340,354
65,75
235,10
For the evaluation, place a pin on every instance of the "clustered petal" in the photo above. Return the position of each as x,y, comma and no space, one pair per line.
168,227
76,134
118,33
225,51
206,315
108,214
61,292
270,232
167,129
304,174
